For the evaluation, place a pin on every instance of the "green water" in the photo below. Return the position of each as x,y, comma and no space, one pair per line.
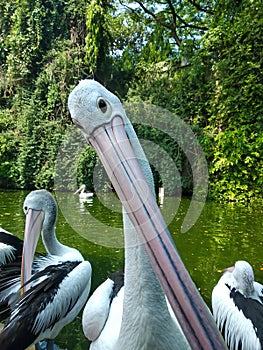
221,235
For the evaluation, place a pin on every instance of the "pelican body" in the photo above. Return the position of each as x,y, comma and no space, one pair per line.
237,303
153,267
54,295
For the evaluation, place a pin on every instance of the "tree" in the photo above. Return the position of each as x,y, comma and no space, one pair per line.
98,40
235,123
39,67
184,20
219,94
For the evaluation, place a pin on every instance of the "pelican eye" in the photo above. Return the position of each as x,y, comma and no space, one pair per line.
102,104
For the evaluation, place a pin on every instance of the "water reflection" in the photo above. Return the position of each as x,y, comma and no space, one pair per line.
83,202
221,235
98,221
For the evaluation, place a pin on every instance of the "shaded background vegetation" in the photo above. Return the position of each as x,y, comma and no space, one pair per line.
201,60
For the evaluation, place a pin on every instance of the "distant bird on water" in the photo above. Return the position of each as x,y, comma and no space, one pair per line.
55,294
82,193
237,303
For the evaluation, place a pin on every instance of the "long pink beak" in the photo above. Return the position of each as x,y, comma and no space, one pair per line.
117,156
34,221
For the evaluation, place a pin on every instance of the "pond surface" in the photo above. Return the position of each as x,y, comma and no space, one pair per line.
221,235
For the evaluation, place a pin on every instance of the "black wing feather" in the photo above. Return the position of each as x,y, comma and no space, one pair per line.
252,309
17,333
14,241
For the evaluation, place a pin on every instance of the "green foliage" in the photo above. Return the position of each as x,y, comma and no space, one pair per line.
237,164
153,83
39,69
201,61
97,39
8,149
168,154
85,172
46,119
235,107
76,164
219,93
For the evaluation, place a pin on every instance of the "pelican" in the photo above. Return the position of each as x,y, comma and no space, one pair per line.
54,295
82,193
149,249
237,303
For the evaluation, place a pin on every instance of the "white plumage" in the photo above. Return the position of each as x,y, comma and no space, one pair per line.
102,315
237,303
